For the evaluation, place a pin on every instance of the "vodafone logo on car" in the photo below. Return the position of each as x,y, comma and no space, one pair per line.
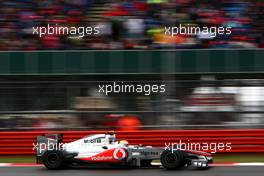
101,158
119,154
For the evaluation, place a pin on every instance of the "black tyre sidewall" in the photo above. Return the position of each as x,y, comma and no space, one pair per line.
57,164
178,163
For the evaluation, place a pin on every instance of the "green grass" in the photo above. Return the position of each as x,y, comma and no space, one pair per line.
217,158
21,159
239,158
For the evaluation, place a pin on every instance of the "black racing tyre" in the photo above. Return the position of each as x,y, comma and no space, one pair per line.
145,163
53,159
172,160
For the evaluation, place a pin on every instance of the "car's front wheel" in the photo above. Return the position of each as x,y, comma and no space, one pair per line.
172,159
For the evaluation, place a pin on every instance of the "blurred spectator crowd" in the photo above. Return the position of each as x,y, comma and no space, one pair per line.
130,24
225,104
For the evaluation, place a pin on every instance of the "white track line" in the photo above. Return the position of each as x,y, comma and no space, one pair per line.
249,164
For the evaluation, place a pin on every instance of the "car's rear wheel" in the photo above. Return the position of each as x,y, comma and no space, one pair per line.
172,159
53,159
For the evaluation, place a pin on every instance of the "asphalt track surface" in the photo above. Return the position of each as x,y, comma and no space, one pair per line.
216,171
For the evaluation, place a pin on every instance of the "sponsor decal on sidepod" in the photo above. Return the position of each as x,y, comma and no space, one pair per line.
112,155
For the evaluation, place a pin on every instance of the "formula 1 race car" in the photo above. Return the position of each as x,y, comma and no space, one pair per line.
104,148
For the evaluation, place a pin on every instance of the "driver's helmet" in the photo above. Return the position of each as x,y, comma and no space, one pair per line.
123,142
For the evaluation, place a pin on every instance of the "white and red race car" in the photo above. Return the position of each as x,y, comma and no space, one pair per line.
105,149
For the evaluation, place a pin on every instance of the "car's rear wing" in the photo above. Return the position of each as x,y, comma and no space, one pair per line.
48,142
